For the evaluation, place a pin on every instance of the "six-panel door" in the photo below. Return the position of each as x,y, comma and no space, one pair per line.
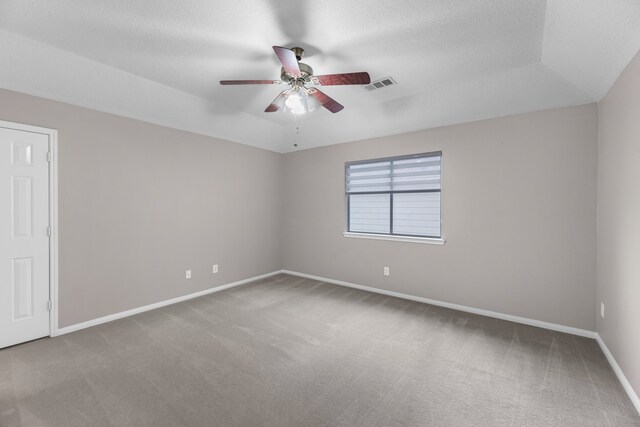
24,240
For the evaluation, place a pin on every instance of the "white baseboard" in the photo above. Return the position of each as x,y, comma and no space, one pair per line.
538,323
120,315
546,325
509,317
616,368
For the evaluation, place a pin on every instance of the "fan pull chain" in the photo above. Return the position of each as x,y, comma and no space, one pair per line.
295,136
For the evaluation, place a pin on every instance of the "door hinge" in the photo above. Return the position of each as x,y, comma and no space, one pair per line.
49,305
49,231
49,156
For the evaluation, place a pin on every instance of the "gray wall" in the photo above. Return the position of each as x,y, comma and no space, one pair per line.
140,204
619,221
519,215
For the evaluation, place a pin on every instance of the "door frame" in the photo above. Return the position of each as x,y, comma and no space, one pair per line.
52,135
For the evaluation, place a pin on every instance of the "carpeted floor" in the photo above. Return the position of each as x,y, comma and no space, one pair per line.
288,351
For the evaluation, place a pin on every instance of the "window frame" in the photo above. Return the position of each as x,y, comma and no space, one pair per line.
391,235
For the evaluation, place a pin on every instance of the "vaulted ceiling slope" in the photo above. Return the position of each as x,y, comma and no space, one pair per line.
454,61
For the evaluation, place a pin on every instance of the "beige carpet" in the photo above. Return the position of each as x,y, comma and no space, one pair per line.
288,351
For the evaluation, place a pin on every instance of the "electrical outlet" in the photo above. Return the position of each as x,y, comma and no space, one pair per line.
386,271
215,268
188,274
602,310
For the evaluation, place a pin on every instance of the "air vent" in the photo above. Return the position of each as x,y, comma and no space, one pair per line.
379,84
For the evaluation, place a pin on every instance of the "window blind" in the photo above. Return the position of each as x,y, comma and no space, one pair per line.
399,195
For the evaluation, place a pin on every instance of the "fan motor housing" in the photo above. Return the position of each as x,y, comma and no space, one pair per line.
305,69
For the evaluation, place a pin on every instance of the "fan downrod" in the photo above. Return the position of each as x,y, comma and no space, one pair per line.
298,51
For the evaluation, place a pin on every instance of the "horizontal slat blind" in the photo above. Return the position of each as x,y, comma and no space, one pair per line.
416,214
395,196
411,174
370,213
368,177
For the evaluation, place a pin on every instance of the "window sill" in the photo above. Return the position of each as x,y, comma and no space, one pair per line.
427,240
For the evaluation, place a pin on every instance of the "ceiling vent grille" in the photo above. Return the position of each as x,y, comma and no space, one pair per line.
380,83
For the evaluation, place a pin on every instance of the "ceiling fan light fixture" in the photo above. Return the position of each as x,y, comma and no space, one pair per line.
298,101
301,99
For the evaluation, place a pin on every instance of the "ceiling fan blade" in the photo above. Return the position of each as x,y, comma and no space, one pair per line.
361,78
288,60
326,101
276,104
250,82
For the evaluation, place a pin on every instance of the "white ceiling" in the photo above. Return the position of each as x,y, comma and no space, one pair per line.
454,61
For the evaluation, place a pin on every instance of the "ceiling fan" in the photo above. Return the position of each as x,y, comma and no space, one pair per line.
300,98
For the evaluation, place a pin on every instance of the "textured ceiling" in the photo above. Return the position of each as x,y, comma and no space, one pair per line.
454,61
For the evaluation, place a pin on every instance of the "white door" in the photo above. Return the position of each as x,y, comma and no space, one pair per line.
24,237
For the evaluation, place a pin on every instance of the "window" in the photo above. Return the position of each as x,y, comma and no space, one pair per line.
396,196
